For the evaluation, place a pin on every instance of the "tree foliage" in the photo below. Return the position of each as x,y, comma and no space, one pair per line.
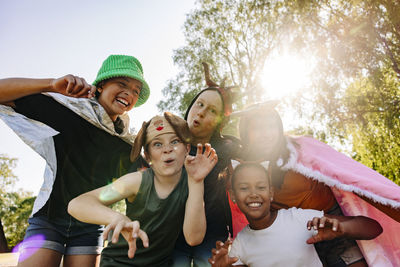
355,45
7,176
373,123
235,38
350,40
15,206
356,88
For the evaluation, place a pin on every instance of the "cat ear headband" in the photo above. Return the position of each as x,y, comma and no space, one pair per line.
235,163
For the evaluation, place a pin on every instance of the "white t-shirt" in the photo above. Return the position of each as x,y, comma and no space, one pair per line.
281,244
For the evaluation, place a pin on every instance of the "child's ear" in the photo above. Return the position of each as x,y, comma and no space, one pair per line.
147,157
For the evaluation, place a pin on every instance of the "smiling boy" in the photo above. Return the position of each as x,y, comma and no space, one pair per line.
88,144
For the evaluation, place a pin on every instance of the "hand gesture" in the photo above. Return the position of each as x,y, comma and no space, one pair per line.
130,230
220,257
73,86
199,166
326,229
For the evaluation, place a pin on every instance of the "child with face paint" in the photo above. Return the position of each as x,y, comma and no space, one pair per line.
281,237
161,201
306,173
206,115
85,141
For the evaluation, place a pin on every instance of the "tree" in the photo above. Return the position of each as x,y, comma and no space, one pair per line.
349,36
235,37
354,44
356,89
373,123
6,175
15,207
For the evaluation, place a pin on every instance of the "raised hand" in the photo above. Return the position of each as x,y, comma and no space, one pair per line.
326,229
199,166
220,257
130,230
73,86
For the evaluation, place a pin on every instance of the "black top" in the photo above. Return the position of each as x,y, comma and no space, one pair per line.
87,157
218,213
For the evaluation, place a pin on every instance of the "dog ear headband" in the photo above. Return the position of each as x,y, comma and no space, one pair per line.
178,124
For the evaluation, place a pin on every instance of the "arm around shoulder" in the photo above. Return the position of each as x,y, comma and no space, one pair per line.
14,88
70,85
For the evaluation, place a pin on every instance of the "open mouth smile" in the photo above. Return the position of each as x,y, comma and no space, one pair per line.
254,204
122,101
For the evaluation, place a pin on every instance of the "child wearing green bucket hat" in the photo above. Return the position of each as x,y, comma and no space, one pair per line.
82,131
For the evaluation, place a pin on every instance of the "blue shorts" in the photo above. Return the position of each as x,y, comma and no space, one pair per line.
196,256
67,236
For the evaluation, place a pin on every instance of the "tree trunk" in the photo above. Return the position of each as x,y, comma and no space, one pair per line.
3,240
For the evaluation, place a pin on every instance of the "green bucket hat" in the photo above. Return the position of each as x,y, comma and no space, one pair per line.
124,66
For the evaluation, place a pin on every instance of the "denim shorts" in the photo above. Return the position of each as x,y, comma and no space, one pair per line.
196,256
67,236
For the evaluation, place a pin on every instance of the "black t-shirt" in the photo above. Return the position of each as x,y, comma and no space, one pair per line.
87,157
216,204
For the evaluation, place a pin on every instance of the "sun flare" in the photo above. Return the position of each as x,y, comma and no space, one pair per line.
285,75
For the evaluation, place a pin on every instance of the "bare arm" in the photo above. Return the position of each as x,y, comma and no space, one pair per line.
194,225
14,88
353,227
92,207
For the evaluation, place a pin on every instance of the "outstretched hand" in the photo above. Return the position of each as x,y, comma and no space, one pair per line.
73,86
220,257
130,230
326,229
199,166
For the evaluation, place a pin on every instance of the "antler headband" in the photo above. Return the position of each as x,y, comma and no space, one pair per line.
225,92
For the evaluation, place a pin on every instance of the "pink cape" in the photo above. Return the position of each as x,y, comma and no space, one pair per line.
348,180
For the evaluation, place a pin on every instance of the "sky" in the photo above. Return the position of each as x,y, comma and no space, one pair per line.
52,38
